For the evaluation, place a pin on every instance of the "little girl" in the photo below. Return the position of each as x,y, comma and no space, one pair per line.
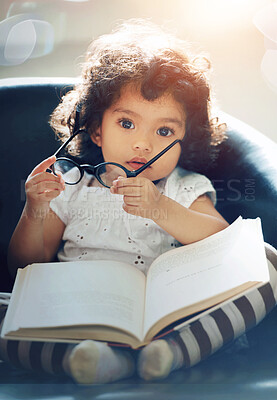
140,90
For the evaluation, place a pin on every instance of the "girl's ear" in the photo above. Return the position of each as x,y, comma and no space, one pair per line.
96,137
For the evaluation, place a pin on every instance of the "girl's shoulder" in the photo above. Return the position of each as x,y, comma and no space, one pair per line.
180,176
186,186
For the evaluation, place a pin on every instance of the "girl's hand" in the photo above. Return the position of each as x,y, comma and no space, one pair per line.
140,195
41,187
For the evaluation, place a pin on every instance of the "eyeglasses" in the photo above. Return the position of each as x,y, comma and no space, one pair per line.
105,172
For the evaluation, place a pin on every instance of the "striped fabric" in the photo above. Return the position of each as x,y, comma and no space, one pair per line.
197,341
36,356
208,334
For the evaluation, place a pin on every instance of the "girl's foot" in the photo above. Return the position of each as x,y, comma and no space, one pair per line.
96,362
158,359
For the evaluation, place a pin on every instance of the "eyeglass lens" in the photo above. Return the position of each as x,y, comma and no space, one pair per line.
109,172
71,172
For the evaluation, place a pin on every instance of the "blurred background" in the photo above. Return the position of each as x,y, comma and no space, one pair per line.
47,38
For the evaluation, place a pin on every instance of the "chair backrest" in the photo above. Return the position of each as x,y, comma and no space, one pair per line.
26,139
245,176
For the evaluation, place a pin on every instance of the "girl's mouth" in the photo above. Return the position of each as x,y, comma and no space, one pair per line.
136,162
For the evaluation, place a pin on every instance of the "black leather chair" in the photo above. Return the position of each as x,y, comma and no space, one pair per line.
246,183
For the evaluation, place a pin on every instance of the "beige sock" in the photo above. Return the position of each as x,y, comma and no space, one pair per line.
96,362
158,359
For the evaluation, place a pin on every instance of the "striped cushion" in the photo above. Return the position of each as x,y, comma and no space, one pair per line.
212,331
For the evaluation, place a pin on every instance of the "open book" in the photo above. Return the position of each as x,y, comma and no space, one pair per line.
116,302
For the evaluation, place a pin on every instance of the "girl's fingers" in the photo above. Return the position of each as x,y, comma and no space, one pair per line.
43,187
134,201
51,195
126,182
44,177
46,196
58,173
43,166
128,186
128,190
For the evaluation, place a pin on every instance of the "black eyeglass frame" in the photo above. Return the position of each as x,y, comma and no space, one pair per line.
94,169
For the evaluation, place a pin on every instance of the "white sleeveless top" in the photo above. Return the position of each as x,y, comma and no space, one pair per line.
97,228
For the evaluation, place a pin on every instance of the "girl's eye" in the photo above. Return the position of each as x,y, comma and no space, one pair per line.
164,131
126,124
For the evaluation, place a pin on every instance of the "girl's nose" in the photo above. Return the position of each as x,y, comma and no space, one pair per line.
142,144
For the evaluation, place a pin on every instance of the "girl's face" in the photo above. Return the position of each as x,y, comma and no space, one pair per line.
134,130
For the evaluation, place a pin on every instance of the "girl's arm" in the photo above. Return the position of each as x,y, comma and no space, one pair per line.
187,225
39,231
34,240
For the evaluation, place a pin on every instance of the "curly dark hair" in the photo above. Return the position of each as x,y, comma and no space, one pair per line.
141,53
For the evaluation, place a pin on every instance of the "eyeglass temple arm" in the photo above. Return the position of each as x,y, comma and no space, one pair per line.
76,130
67,141
138,171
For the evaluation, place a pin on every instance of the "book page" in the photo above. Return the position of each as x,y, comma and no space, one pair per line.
193,273
200,315
80,293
